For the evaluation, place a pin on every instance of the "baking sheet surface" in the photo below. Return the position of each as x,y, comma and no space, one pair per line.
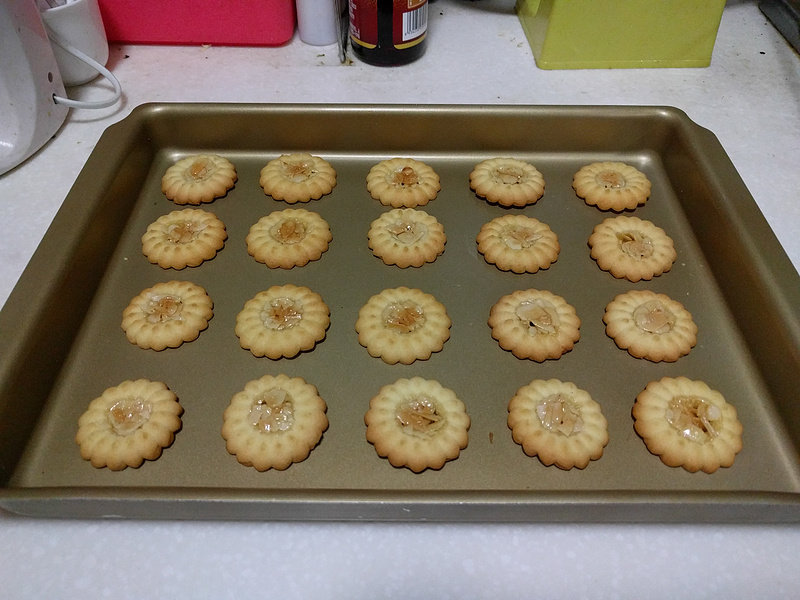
492,471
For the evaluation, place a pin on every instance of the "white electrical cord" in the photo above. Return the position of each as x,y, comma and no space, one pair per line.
67,47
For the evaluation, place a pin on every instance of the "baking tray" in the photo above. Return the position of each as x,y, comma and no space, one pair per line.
61,342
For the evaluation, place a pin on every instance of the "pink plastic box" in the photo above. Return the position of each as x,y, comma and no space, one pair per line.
237,23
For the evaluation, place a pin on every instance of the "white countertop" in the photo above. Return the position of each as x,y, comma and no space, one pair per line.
477,54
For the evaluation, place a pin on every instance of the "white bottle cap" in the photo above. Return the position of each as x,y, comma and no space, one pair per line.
318,22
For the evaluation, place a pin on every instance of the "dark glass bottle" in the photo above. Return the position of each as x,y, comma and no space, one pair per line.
388,32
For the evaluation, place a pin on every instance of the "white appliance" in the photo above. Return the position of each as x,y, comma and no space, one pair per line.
29,82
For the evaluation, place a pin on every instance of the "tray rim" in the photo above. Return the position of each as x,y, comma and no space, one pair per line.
550,506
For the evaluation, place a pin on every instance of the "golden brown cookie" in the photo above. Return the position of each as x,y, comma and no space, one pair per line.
403,182
401,325
631,248
198,179
417,423
273,422
558,422
128,424
183,238
406,237
518,243
507,181
534,324
167,315
282,321
611,185
650,325
687,424
288,238
297,177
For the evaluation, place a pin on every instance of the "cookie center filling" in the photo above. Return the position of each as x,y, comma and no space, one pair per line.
128,415
695,418
282,313
299,171
199,170
184,232
289,231
419,416
635,244
539,315
654,317
509,175
610,179
559,414
161,308
407,232
405,177
272,411
519,238
403,316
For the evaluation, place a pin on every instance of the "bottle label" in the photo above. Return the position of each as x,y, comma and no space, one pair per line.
409,22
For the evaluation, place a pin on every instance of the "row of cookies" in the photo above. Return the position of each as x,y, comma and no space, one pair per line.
416,423
403,325
404,181
626,246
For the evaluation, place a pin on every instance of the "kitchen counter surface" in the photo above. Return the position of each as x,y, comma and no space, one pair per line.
477,54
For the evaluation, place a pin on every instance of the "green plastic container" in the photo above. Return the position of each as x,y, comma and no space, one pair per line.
620,34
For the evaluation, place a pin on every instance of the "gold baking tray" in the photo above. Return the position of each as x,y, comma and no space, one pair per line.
61,344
